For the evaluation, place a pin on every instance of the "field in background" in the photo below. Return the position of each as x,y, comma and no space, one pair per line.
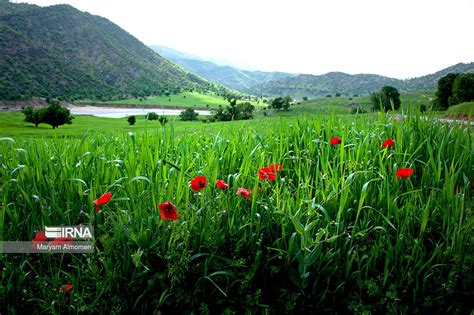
186,99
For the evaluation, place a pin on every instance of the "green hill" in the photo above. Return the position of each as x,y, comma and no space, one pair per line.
347,84
59,51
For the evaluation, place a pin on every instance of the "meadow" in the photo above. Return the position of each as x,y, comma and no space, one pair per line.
335,230
185,99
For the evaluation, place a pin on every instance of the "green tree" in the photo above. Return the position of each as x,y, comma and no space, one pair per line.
385,98
131,120
56,115
163,120
445,91
463,89
281,102
152,116
34,116
188,115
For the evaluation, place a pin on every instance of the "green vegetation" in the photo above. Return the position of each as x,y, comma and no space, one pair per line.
188,115
233,111
463,108
185,99
54,115
281,102
454,88
337,230
131,120
46,52
388,98
152,116
347,85
230,77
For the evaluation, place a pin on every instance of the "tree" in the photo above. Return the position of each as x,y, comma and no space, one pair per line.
131,120
163,120
188,115
152,116
385,98
34,116
56,115
445,90
463,89
281,102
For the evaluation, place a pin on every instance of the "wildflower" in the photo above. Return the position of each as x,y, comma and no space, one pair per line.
266,173
39,239
198,183
66,289
105,198
244,192
168,211
275,167
404,172
335,140
221,184
388,143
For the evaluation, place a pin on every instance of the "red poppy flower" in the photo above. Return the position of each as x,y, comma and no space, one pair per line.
62,241
39,239
276,167
66,289
244,192
388,143
105,198
168,211
221,184
198,183
404,172
266,173
335,140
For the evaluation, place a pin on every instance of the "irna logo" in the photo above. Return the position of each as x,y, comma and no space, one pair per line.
75,232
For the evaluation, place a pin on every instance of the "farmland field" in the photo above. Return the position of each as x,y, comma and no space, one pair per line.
335,230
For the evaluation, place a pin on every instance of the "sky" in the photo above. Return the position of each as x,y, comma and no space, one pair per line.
401,39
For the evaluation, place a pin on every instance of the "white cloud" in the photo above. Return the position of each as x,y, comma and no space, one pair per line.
404,38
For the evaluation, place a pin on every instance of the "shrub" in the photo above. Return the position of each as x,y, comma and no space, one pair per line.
188,115
152,116
131,120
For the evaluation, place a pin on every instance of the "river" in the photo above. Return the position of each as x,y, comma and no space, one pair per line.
115,112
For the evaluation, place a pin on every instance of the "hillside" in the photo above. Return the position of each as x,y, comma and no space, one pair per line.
347,84
230,77
430,81
59,51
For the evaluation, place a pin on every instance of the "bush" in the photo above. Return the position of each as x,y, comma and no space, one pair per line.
163,120
282,102
131,120
387,97
188,115
34,116
152,116
241,111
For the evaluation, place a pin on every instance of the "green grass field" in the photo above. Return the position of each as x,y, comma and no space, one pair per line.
337,231
463,108
186,99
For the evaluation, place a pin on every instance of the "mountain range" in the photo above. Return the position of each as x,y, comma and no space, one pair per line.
299,85
59,51
228,76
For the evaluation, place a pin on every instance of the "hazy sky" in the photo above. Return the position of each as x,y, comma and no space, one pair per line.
402,39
